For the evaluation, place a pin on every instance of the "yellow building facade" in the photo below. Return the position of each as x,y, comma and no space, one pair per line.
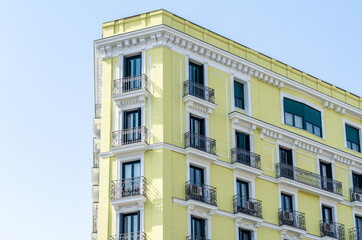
199,137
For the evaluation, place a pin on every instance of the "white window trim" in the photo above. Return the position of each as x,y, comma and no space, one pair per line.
131,108
197,114
321,110
248,131
286,146
124,158
253,232
244,178
291,192
355,214
245,80
207,224
323,202
326,160
131,210
355,125
196,163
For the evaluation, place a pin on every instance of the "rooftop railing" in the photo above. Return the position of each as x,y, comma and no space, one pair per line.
308,178
245,157
198,90
128,84
200,142
129,136
201,192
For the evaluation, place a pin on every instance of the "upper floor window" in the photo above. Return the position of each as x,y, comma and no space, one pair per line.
198,228
299,115
353,138
239,95
244,234
129,225
196,73
132,66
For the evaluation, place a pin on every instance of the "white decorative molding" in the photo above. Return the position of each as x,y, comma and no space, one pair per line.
292,233
128,204
246,221
125,100
201,107
163,35
308,145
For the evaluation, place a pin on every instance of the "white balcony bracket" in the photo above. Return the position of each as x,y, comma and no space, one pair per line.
247,222
288,232
199,106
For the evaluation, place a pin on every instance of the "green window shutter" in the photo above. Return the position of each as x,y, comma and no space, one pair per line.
313,116
238,90
352,134
293,107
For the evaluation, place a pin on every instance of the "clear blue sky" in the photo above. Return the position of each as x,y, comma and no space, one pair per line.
46,91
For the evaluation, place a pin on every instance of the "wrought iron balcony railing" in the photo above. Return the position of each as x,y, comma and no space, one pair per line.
356,194
129,136
248,206
191,237
332,229
198,90
128,84
129,236
308,178
96,159
355,234
245,157
128,187
201,192
200,142
98,111
292,218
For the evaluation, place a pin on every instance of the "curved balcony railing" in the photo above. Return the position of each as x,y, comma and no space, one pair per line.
97,111
355,234
129,136
200,142
248,206
332,229
128,187
201,192
245,157
292,218
131,83
129,236
308,178
196,238
356,194
198,90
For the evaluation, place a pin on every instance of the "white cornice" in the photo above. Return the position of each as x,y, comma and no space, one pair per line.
296,140
163,35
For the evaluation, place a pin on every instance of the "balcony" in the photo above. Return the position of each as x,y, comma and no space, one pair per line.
310,182
97,112
332,229
196,238
96,159
128,191
199,146
199,98
292,218
128,140
246,162
248,206
356,197
355,234
130,90
129,236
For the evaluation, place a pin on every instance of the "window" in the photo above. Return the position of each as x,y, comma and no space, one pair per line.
287,202
358,221
299,115
326,176
132,119
239,95
327,214
244,234
196,73
132,66
353,138
286,216
242,191
197,228
357,181
131,183
129,225
286,156
243,141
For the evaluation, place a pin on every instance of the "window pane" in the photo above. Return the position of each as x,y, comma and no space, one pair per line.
352,134
317,131
309,127
288,119
298,121
354,147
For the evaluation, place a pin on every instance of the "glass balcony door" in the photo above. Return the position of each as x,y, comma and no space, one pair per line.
242,190
244,234
358,221
197,129
130,226
131,124
198,228
131,173
196,75
132,68
243,142
326,176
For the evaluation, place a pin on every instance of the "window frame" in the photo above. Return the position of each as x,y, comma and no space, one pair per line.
307,103
245,80
354,125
